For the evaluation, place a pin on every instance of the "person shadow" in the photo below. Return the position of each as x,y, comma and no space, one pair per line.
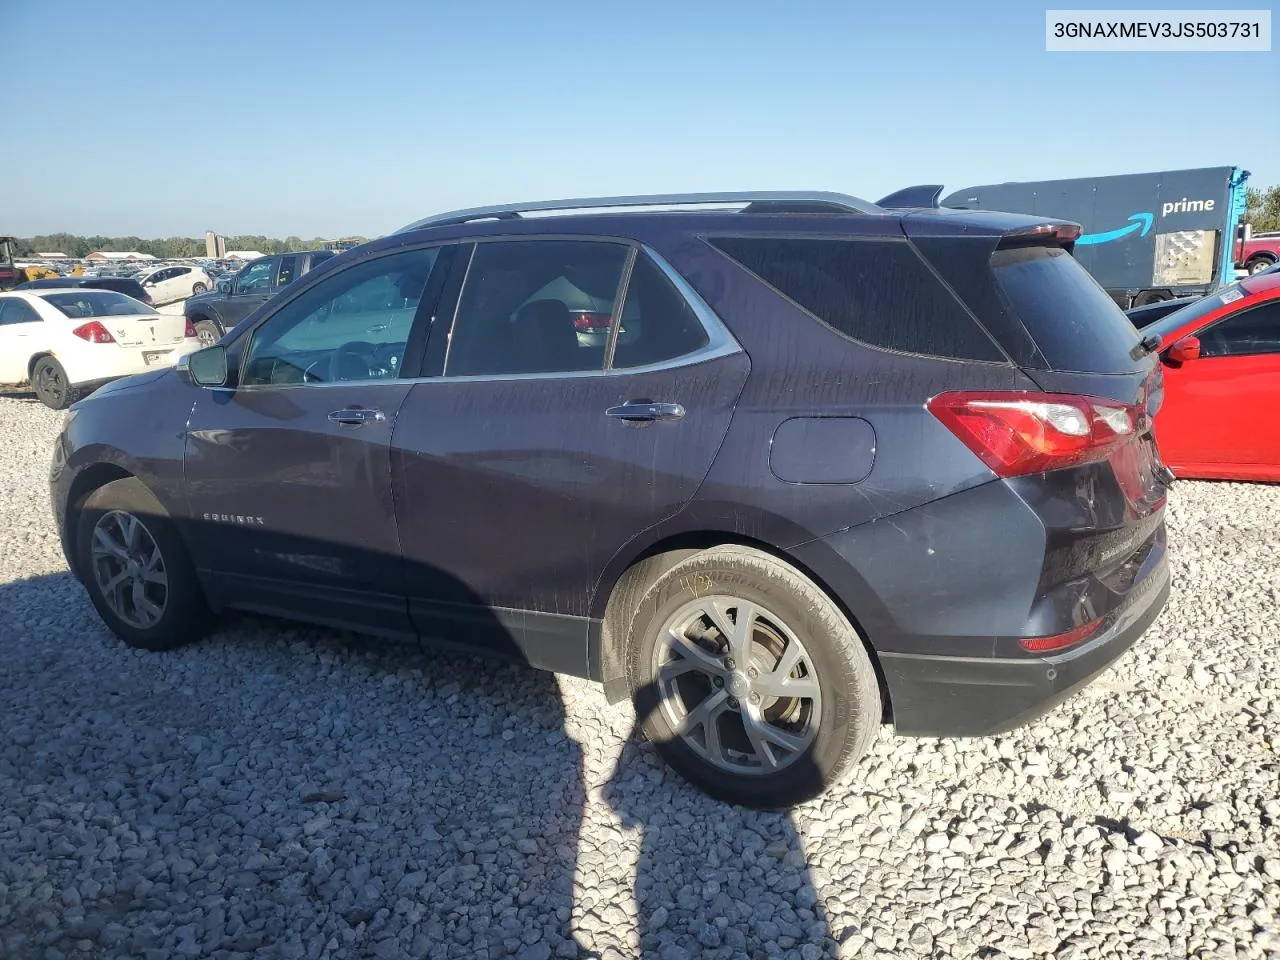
713,879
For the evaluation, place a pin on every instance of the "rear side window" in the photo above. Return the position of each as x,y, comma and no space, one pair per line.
657,323
1076,325
879,292
535,306
88,302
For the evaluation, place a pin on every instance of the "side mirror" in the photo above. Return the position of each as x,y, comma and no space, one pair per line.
207,367
1188,348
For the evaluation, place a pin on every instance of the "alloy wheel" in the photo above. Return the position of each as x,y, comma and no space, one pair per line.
129,569
737,685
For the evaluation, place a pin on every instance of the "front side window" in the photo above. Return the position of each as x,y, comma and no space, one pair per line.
1252,332
535,306
351,326
256,276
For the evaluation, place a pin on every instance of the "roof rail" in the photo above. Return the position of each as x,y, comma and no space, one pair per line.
760,201
923,195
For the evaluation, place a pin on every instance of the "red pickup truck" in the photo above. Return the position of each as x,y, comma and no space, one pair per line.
1258,252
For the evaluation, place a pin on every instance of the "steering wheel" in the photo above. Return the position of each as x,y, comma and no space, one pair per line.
351,361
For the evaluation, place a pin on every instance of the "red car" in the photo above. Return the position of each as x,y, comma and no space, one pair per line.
1221,413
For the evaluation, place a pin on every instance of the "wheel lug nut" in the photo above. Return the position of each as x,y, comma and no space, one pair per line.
719,681
752,672
728,662
733,703
755,698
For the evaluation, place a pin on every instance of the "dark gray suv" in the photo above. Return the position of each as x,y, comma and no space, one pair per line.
850,463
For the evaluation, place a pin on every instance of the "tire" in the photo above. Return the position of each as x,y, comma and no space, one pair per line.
183,614
51,386
198,288
1257,265
827,726
1150,297
208,332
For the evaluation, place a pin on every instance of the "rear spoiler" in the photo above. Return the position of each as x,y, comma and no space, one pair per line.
923,195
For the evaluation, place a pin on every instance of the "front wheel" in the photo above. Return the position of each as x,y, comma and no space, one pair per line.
136,569
51,385
198,288
751,682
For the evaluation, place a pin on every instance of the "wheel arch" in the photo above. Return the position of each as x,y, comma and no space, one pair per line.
619,593
36,358
91,478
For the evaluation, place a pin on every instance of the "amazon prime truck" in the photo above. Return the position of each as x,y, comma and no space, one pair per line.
1147,236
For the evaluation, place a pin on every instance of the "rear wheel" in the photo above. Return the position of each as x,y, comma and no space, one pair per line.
1258,265
1149,297
136,568
50,383
751,682
207,332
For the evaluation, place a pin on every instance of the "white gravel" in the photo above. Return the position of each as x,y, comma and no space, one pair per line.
291,792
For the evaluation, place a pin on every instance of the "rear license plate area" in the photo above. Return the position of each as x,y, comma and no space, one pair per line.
153,357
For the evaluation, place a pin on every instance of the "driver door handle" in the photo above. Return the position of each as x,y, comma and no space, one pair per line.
355,416
646,411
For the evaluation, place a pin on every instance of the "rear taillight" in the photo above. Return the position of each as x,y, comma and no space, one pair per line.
1060,641
592,321
1016,433
190,331
94,332
146,298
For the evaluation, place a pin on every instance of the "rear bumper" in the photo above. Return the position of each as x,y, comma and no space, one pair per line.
949,696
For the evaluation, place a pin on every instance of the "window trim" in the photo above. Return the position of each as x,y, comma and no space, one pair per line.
720,341
1271,302
252,333
708,236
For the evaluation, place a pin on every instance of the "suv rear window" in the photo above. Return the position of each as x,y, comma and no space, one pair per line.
1076,325
878,292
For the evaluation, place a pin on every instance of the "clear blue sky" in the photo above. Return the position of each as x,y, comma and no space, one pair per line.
330,117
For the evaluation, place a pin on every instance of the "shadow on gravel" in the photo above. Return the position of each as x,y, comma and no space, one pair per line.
714,879
276,791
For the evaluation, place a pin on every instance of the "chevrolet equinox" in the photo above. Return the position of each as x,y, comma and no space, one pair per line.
780,467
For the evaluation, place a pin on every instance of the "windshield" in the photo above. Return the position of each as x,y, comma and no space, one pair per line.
1196,309
96,303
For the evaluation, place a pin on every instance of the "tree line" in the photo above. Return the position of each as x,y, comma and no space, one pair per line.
1263,209
169,248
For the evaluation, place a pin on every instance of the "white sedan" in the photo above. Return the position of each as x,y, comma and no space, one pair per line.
167,284
65,343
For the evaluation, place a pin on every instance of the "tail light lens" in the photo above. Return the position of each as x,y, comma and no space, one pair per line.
1060,641
1016,433
94,332
592,321
190,331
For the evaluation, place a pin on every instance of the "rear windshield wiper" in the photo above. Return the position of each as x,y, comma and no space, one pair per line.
1144,347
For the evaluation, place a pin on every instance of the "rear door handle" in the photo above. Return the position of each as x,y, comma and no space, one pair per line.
354,416
646,411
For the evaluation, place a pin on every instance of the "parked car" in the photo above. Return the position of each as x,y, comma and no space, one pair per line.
1221,359
168,284
1260,252
66,342
238,295
130,288
878,463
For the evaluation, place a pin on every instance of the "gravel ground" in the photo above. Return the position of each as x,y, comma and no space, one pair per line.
287,792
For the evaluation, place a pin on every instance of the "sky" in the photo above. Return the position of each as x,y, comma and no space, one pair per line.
331,118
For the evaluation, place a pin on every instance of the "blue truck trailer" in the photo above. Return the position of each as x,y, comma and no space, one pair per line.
1147,236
